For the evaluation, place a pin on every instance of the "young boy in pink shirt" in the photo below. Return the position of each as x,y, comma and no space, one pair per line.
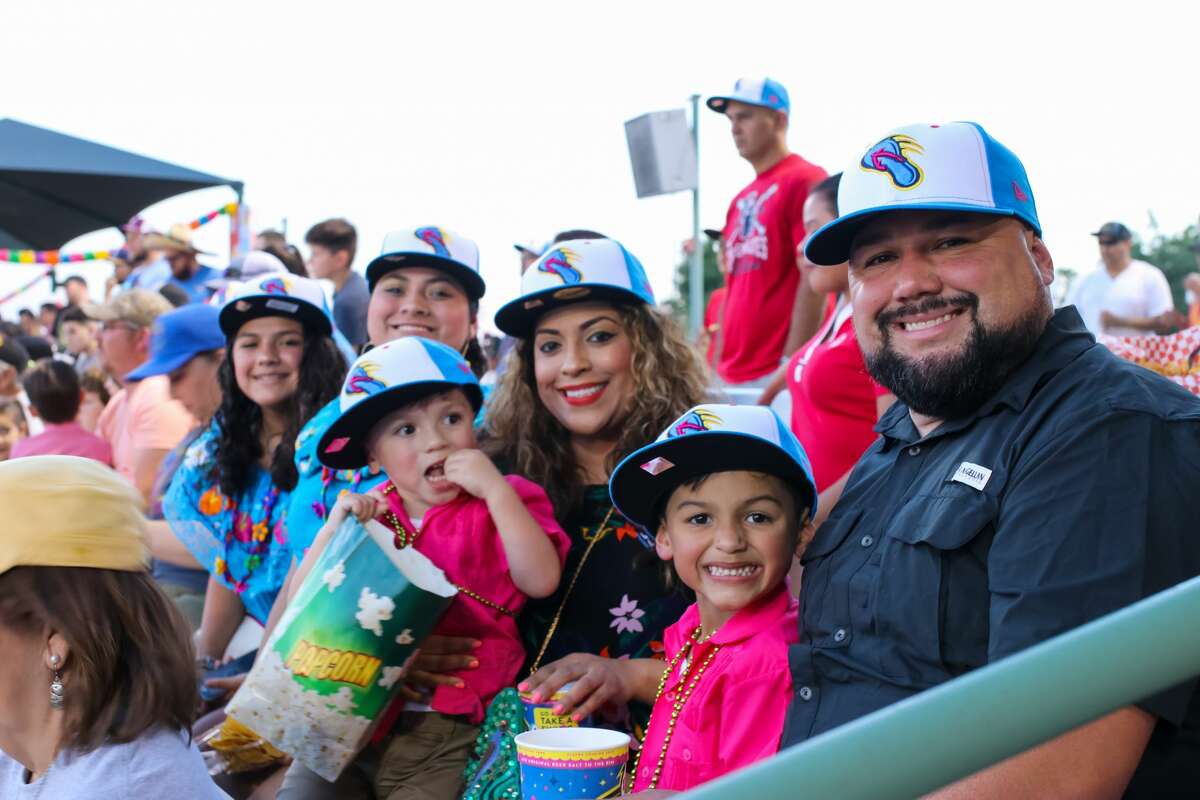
408,408
728,489
54,395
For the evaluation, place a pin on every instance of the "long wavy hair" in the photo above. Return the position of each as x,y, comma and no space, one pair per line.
668,379
240,419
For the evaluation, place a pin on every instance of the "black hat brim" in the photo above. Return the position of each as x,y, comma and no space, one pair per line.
355,424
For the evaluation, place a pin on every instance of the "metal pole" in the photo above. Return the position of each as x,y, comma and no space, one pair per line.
696,271
934,738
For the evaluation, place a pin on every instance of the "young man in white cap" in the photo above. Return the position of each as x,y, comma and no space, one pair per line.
1026,482
769,311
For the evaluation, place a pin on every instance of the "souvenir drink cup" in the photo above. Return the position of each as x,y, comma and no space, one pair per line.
541,715
558,763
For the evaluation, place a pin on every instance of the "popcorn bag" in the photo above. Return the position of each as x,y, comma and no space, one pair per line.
336,657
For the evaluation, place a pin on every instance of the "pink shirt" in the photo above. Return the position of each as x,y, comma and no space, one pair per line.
142,416
735,715
461,538
64,439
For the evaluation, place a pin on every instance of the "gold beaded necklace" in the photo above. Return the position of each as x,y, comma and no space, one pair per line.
680,697
404,538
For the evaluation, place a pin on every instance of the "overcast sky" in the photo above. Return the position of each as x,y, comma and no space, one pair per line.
504,121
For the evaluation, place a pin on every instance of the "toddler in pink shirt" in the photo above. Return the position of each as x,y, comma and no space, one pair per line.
728,490
407,409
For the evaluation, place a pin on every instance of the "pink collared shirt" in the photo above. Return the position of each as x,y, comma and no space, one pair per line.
735,715
461,538
64,439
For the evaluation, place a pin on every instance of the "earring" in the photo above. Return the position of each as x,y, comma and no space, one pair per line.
56,685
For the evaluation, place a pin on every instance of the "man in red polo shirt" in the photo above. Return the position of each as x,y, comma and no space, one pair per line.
769,310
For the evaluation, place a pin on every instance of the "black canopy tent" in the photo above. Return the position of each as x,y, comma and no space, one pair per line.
54,187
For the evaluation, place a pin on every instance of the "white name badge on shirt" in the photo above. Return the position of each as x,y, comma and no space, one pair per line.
972,475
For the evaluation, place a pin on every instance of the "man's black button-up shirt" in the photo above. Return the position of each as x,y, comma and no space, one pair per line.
1073,492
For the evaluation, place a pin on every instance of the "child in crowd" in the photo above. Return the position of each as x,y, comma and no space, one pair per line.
96,395
728,490
407,409
55,396
13,427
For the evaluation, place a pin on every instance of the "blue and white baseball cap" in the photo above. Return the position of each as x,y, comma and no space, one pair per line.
706,439
276,295
430,246
179,336
571,272
756,92
384,379
952,167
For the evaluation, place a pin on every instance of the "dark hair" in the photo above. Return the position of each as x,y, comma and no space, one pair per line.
130,668
176,295
240,419
799,497
53,389
49,307
93,381
289,255
336,235
271,236
828,190
24,312
668,378
74,314
75,279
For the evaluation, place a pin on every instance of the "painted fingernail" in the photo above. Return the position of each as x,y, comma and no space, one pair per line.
478,644
577,717
536,697
474,663
459,685
558,708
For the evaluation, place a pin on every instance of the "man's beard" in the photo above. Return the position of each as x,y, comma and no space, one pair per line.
952,386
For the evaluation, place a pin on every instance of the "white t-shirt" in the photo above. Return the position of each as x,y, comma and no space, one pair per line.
158,764
1140,290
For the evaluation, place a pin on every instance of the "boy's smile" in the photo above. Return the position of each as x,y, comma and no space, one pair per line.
731,538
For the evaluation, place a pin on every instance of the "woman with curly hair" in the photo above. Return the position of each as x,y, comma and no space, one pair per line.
596,373
227,501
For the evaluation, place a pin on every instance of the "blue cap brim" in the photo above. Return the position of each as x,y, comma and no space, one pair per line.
830,245
638,494
356,422
161,366
720,102
518,317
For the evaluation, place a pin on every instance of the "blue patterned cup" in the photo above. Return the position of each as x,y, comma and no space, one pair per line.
580,763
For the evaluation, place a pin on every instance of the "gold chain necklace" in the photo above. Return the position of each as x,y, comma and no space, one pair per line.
680,699
600,533
404,538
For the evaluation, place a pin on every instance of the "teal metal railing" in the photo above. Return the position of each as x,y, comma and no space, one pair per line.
939,736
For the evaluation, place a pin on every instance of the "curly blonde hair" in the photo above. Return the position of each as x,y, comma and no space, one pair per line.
668,379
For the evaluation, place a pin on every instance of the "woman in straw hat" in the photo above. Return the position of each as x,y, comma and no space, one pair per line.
96,684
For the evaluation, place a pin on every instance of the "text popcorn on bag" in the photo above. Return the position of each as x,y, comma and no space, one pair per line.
336,657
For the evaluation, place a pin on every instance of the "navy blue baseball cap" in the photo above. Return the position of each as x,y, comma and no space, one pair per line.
179,336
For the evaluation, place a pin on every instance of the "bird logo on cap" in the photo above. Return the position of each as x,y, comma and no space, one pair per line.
274,286
435,238
893,157
701,419
362,380
561,262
